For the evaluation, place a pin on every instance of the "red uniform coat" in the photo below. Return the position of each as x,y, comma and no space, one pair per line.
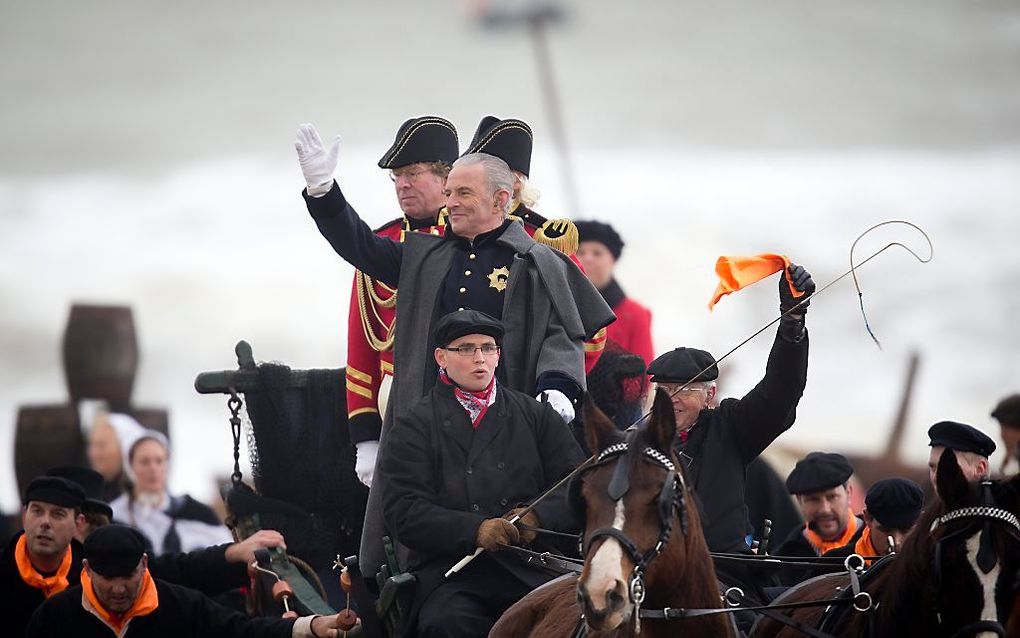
632,329
370,323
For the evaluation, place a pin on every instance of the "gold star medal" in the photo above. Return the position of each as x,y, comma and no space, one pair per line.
498,278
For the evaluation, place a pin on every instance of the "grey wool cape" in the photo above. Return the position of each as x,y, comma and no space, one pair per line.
550,308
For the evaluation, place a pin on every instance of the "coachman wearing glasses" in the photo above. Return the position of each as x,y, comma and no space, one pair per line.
461,462
717,444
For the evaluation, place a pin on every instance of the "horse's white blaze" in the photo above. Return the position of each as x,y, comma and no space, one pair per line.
988,612
607,563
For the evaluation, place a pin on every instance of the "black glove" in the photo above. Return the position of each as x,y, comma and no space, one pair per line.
791,327
802,282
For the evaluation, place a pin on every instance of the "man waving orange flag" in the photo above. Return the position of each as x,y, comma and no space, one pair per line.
736,273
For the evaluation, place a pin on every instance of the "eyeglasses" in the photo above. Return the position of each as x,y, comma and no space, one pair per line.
468,349
680,390
412,176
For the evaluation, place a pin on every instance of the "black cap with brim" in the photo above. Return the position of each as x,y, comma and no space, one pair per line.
817,472
510,140
682,365
895,502
961,438
602,233
467,322
422,139
91,483
55,491
114,550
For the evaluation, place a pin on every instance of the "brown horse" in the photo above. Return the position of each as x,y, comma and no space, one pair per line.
643,545
958,573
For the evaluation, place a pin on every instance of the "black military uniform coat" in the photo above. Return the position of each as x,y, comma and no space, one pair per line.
725,440
181,613
446,478
206,570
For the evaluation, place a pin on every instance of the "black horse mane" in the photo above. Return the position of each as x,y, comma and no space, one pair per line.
910,577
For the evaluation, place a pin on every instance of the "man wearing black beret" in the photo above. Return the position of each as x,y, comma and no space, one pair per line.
458,463
821,483
118,594
418,162
891,508
972,447
44,559
717,444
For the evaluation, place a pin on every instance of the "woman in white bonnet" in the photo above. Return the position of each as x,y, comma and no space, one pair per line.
172,523
109,439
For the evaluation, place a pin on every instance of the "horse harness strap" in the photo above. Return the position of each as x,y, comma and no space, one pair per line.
671,499
986,558
546,560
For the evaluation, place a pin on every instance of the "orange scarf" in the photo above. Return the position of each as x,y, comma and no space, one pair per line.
821,546
863,547
739,272
48,584
146,602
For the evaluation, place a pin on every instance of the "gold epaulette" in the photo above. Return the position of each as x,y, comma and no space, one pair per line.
560,234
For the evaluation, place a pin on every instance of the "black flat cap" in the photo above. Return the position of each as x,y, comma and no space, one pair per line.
601,232
55,491
422,139
510,140
681,365
467,322
90,481
114,550
1007,413
896,502
961,438
819,471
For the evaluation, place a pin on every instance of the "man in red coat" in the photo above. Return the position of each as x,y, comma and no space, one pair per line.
599,249
419,161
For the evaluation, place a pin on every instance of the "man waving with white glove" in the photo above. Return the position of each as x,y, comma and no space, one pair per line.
484,261
418,164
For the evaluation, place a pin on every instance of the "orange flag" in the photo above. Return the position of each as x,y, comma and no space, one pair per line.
739,272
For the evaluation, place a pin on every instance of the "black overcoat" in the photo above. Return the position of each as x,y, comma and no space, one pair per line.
446,478
723,441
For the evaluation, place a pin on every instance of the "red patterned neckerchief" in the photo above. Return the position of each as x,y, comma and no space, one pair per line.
476,404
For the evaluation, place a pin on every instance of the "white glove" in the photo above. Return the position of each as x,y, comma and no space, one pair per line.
559,402
316,164
364,466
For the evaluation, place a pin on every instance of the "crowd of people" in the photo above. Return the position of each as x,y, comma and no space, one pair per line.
492,322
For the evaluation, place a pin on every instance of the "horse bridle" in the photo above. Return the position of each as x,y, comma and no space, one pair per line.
671,499
984,515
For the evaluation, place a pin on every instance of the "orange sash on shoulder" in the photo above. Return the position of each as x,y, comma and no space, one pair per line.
864,546
146,603
48,584
821,546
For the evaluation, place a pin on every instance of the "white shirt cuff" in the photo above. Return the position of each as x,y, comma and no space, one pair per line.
303,627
